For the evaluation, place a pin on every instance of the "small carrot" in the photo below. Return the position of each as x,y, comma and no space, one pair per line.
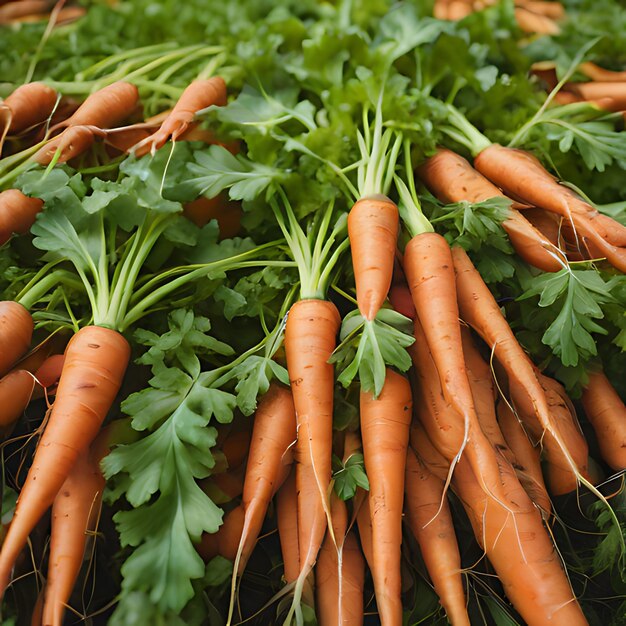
49,372
385,433
16,390
75,513
430,520
226,540
534,23
616,91
17,213
197,96
401,300
224,487
14,10
339,574
373,225
95,362
72,142
607,414
29,105
16,331
553,10
600,74
235,447
287,515
227,213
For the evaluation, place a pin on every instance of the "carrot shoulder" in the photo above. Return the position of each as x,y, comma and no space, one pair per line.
95,362
30,104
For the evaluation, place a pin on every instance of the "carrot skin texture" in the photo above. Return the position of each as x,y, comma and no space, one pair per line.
95,362
30,104
273,432
373,225
430,520
74,513
287,516
226,540
16,331
200,94
17,213
385,434
72,142
49,372
607,414
310,337
16,390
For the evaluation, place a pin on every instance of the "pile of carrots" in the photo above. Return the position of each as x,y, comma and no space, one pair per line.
474,416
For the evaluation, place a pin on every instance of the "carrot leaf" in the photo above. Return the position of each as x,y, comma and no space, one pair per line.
349,476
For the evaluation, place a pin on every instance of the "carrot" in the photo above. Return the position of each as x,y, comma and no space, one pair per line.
221,208
385,433
430,275
224,487
226,540
452,179
310,333
480,310
364,523
534,23
599,74
607,414
521,175
197,96
598,90
520,550
401,300
72,142
554,10
17,213
75,513
339,574
457,10
29,105
14,10
16,390
373,225
49,372
37,615
287,514
95,361
35,358
430,520
16,331
273,433
527,464
235,447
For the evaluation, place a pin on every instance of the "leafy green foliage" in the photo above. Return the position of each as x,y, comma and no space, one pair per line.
349,475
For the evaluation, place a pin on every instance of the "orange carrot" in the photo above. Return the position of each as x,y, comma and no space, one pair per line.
287,515
310,334
401,300
527,464
599,74
339,574
273,433
17,213
598,90
14,10
522,176
72,142
607,414
385,434
364,523
16,390
16,331
452,179
480,310
554,10
29,105
75,513
49,372
373,225
534,23
457,10
430,520
224,487
226,540
199,95
221,208
520,550
95,361
235,447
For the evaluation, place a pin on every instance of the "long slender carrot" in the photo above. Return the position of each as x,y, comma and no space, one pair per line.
339,574
607,414
17,213
29,105
364,523
199,95
385,433
527,463
373,225
287,515
95,362
16,331
49,372
520,550
74,514
522,176
430,520
480,310
310,337
600,74
452,179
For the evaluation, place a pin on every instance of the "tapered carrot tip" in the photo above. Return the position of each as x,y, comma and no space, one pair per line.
373,225
16,331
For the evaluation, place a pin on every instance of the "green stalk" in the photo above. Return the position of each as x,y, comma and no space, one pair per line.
29,296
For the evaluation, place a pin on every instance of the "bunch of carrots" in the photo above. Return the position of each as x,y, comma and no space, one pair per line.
453,405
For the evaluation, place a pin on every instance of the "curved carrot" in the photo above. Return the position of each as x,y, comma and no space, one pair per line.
29,105
527,463
74,514
531,22
385,434
607,414
17,213
16,331
310,338
339,574
273,433
72,142
430,520
287,516
452,179
95,362
373,225
49,372
16,390
197,96
599,74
